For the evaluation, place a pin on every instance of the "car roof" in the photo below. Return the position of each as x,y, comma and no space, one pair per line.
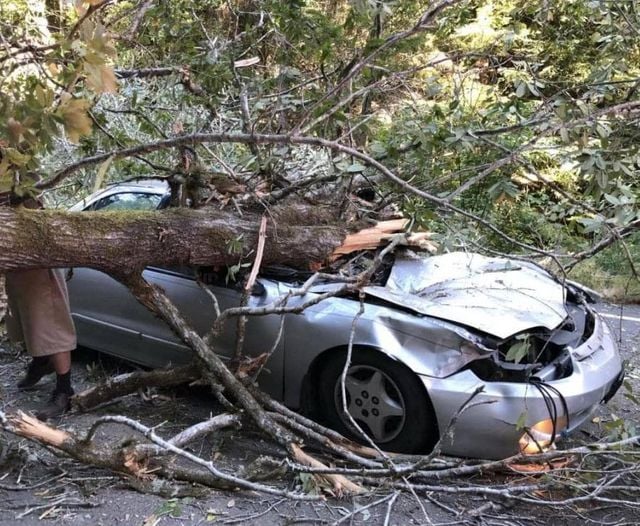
146,185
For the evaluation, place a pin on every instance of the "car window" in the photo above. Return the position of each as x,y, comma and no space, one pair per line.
127,201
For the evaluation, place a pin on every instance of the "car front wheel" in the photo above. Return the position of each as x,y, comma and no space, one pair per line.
384,397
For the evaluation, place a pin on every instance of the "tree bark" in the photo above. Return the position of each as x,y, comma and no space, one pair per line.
113,241
125,384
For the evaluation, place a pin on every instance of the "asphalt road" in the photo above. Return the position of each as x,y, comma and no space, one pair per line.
623,319
85,496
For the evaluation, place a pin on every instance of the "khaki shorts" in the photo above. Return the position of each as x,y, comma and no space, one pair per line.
39,314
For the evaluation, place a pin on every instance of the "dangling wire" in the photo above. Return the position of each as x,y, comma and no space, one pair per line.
547,391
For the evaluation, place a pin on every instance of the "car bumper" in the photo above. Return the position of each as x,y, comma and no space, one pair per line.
493,424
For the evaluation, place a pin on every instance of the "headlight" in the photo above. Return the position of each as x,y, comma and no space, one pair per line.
540,437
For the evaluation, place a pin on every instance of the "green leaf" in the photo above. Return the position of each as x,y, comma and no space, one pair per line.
16,158
612,199
602,179
602,130
592,224
533,89
234,246
629,392
309,483
377,149
503,188
564,134
6,182
518,351
561,110
355,168
171,507
232,271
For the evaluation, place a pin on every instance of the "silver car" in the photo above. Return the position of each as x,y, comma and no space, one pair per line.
434,331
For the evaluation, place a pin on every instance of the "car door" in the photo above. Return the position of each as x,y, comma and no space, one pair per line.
108,318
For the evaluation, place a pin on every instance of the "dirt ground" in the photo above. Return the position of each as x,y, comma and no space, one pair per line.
57,490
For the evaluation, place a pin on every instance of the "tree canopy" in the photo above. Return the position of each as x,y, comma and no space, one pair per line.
523,115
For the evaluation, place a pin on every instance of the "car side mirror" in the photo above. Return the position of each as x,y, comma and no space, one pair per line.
258,289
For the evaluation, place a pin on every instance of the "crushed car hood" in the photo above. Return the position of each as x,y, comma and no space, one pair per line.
497,296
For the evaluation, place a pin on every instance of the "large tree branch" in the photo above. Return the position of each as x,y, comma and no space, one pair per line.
125,461
258,138
128,383
142,9
255,138
112,241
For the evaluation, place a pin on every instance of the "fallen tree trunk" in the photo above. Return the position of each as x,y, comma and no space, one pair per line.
112,241
296,235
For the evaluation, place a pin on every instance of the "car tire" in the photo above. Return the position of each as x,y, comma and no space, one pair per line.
386,399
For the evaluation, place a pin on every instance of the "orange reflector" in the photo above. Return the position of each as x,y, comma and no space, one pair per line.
539,437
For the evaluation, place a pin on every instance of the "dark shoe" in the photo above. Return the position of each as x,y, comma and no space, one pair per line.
59,404
36,370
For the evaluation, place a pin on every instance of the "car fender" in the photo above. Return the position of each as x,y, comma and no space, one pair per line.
426,346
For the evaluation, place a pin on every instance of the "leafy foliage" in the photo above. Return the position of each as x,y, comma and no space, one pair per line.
522,113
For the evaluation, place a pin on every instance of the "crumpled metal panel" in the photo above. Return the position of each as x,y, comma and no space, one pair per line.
427,346
491,427
496,296
438,351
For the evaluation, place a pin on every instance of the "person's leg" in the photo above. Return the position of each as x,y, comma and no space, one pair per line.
60,401
64,331
51,333
62,364
39,366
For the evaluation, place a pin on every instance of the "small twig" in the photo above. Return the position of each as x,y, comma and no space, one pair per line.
11,487
273,349
279,306
352,514
212,296
193,433
64,500
343,389
387,516
248,288
418,500
253,516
